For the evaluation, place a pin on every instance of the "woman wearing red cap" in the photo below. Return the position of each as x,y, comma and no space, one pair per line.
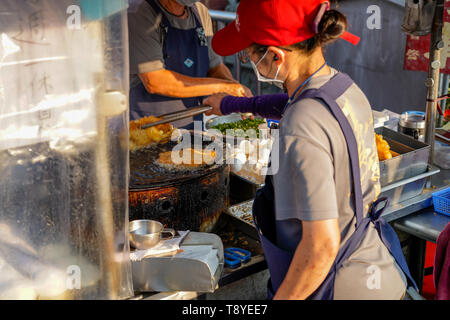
318,216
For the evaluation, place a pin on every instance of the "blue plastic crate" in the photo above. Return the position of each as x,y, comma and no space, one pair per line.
441,201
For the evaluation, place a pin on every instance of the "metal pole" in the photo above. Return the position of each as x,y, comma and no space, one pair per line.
224,16
436,44
237,68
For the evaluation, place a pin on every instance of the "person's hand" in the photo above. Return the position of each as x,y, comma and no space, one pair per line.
214,101
248,92
238,90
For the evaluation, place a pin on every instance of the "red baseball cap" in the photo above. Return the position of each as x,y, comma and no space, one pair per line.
271,23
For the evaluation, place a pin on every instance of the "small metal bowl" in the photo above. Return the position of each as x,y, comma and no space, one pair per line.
145,234
234,117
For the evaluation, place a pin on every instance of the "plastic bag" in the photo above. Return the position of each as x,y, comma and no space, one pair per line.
418,18
64,149
442,155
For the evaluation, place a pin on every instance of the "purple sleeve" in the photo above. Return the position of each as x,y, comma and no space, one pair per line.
268,106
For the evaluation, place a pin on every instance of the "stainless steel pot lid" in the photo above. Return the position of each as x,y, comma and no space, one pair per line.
413,120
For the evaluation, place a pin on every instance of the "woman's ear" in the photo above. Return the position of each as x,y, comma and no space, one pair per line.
278,55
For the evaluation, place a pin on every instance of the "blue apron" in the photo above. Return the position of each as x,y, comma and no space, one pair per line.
185,52
278,260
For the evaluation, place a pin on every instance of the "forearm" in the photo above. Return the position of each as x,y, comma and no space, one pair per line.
173,84
267,106
221,72
312,260
306,273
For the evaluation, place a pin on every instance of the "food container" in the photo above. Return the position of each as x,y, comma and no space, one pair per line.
63,162
379,118
412,161
234,117
242,212
145,234
406,189
231,118
412,123
250,158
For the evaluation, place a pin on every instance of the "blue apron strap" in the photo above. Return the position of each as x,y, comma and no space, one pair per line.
337,85
165,22
200,29
389,237
196,13
328,93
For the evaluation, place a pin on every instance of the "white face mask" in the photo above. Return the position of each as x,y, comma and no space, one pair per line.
188,3
276,82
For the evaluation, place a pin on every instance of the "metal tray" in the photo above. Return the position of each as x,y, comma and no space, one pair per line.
242,212
234,117
406,189
413,159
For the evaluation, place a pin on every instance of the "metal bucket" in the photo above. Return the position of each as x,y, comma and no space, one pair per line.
412,161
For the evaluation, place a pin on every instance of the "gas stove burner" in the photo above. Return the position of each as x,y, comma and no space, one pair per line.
146,171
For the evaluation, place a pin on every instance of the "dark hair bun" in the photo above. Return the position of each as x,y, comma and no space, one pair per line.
331,27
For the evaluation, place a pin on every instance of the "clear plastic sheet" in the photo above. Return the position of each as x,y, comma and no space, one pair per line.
64,150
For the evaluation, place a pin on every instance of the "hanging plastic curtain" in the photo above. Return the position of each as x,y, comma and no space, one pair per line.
418,18
64,150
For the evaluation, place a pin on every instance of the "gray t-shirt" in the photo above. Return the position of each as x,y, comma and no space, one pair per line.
313,183
146,37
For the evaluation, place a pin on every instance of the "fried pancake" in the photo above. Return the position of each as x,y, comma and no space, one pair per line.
140,138
191,158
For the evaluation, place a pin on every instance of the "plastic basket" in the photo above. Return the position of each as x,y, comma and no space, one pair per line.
441,201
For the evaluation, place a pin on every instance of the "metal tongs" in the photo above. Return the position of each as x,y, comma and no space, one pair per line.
178,115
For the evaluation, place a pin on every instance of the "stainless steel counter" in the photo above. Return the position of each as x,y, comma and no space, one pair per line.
422,226
425,224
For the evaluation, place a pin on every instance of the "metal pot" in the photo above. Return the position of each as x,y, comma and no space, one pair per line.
412,123
145,234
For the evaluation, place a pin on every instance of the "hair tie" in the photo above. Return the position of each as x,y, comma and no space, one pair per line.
323,8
